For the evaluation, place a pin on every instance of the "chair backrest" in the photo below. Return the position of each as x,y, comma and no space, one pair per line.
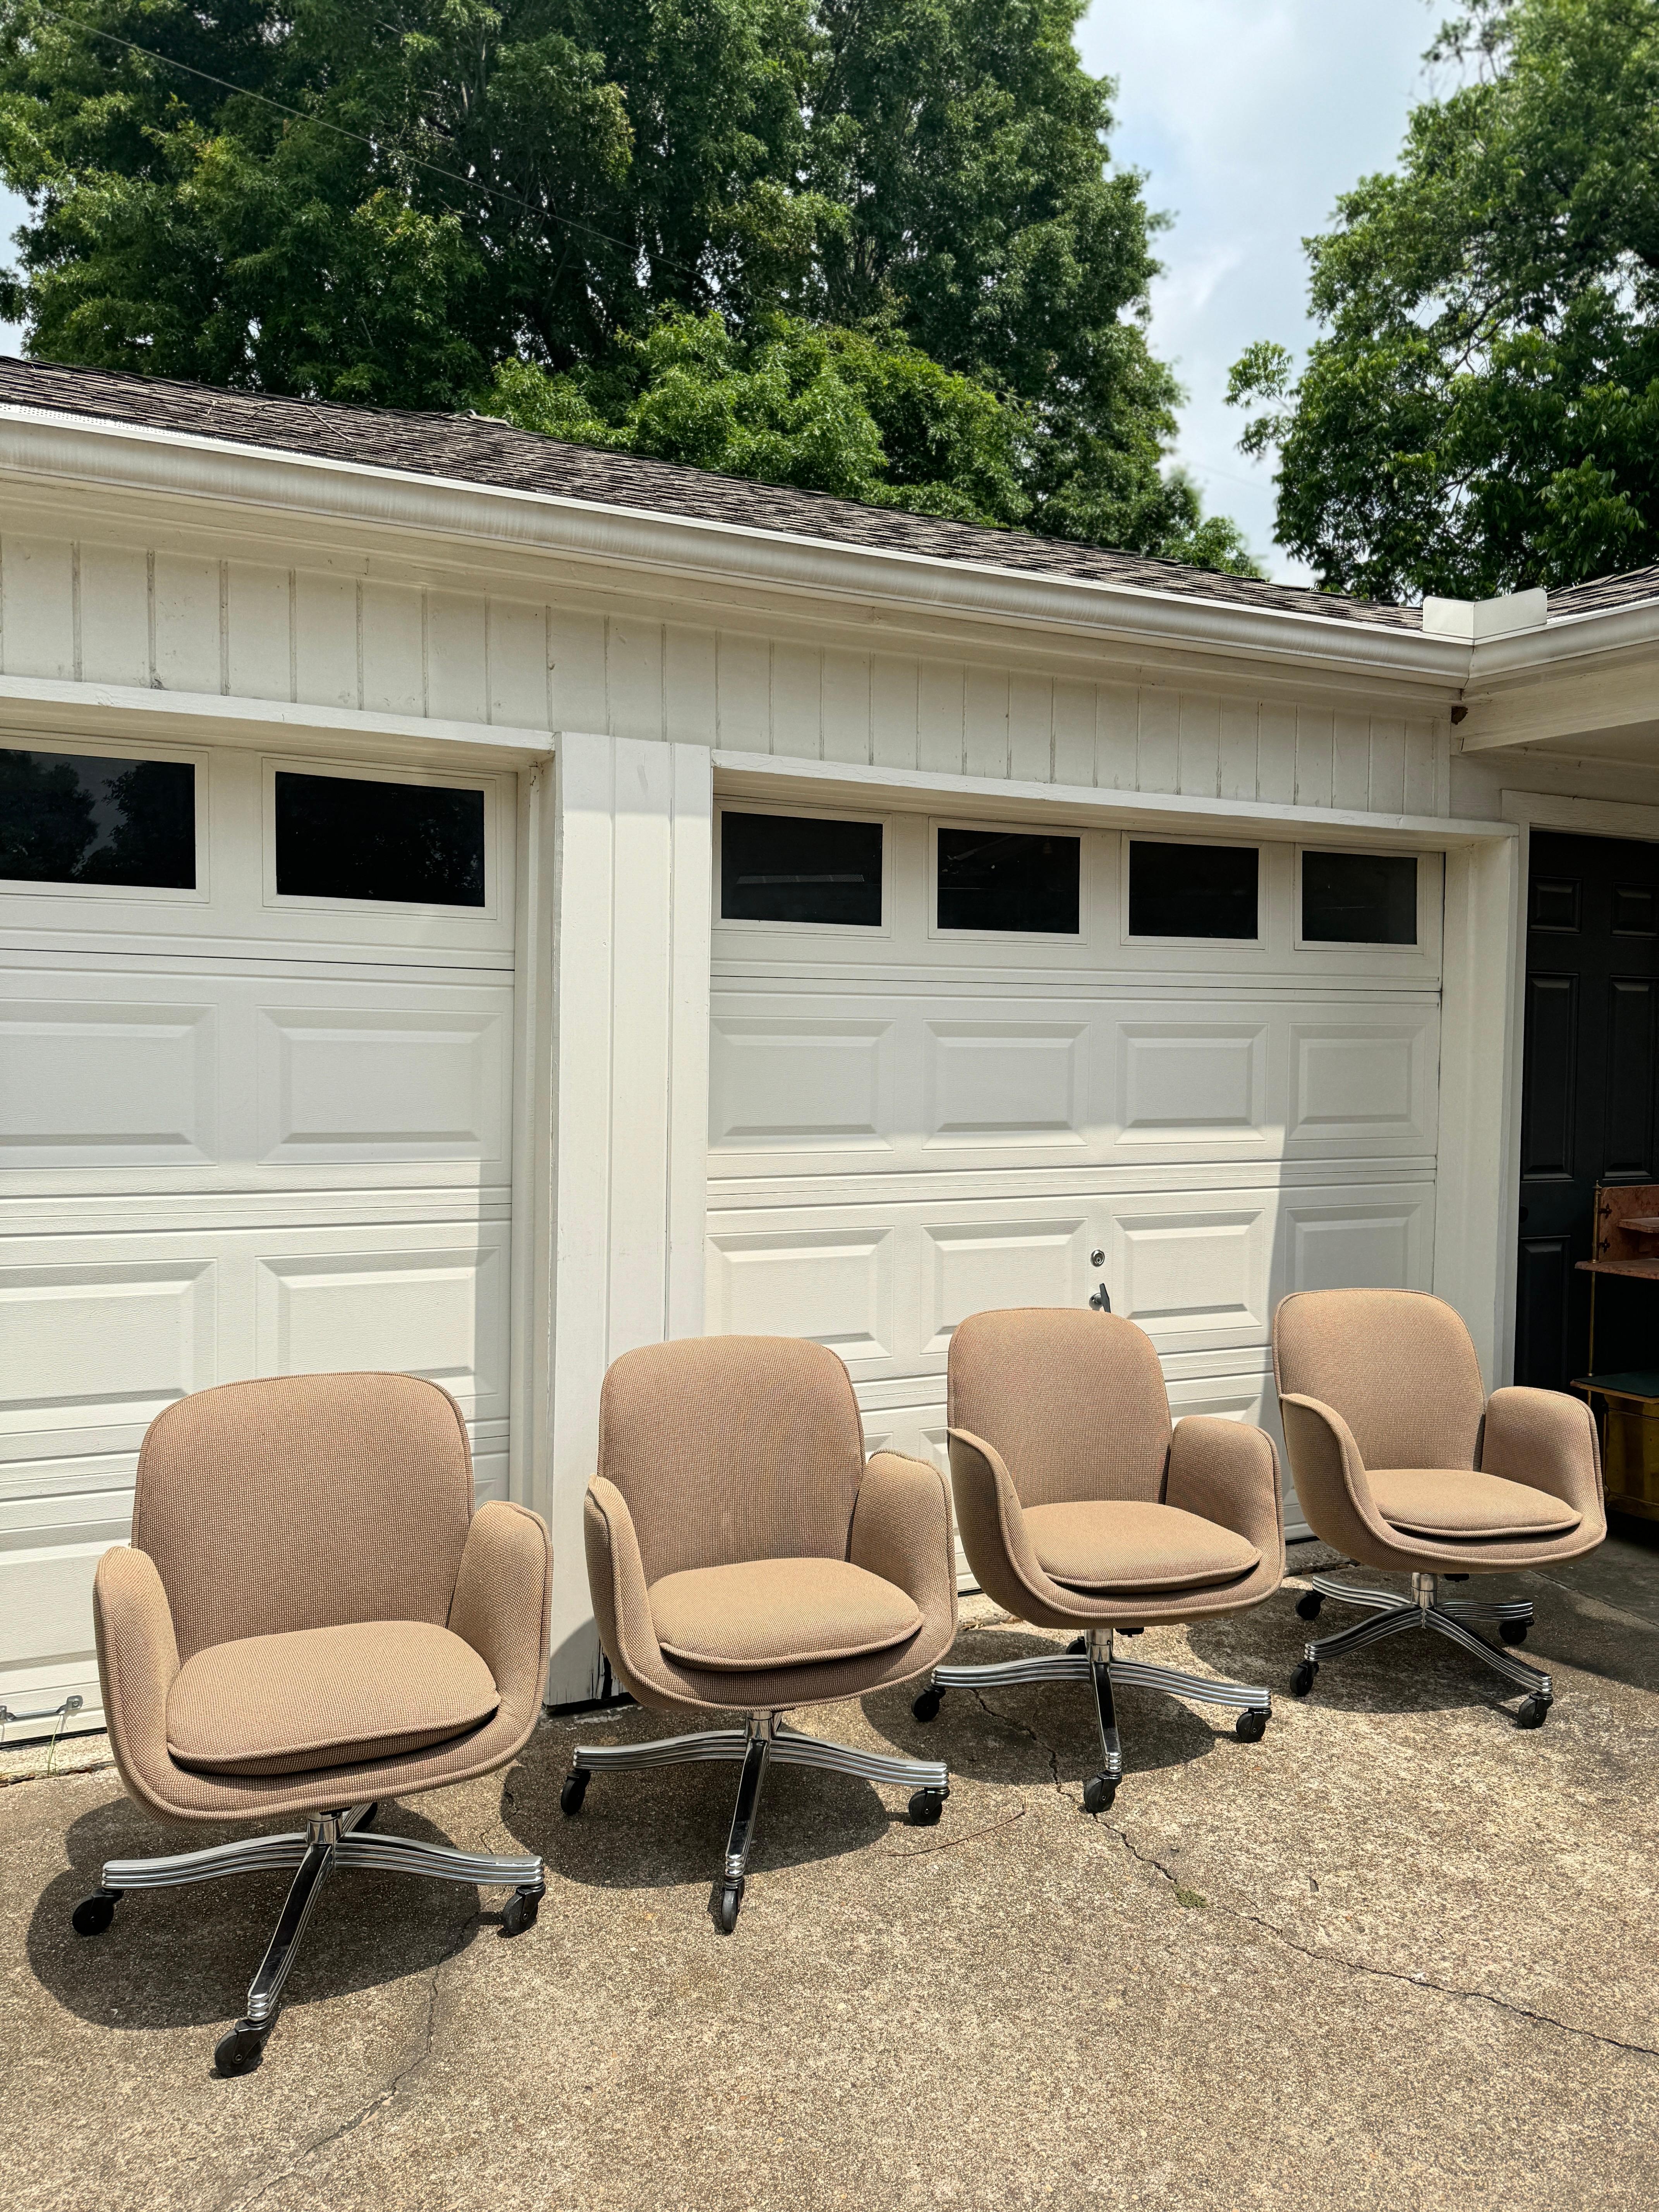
1398,1365
732,1448
1073,1402
304,1501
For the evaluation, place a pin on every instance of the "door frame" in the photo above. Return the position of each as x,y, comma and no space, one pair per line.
1627,820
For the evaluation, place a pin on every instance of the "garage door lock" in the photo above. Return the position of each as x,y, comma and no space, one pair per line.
1102,1300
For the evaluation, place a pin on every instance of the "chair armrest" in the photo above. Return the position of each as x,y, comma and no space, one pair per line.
1227,1473
993,1525
138,1662
504,1593
901,1531
1549,1441
1330,1477
616,1581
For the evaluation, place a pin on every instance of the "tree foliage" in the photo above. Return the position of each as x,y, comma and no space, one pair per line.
1481,412
879,204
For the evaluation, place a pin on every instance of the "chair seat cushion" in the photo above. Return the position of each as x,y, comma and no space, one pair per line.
1456,1503
1103,1546
779,1612
315,1698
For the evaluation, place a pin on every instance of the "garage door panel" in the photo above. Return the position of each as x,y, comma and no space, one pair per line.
435,1304
1192,1079
1018,1084
400,1082
1377,1240
786,1081
103,1344
86,1080
969,1266
1366,1085
1192,1276
833,1285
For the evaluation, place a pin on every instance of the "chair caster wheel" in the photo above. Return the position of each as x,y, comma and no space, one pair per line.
92,1915
926,1707
1098,1792
1076,1647
519,1912
1532,1712
1251,1726
1513,1632
1307,1605
731,1903
926,1806
574,1791
1303,1681
235,2052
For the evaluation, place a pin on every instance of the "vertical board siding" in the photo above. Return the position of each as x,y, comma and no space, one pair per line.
114,614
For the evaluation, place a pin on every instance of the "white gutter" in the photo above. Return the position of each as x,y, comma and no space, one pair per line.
74,450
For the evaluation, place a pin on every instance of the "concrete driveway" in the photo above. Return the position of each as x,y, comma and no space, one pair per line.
1397,1954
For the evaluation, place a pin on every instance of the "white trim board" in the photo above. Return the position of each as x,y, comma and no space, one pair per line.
770,777
53,707
1587,817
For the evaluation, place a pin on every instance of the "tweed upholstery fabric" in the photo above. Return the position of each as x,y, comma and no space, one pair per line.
325,1697
1073,1402
779,1612
892,1518
1398,1365
1547,1439
1124,1544
499,1602
304,1501
1056,1383
1456,1503
732,1448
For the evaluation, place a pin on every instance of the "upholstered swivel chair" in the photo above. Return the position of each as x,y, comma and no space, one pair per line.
744,1558
311,1619
1081,1508
1401,1460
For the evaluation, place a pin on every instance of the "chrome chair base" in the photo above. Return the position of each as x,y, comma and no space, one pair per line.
1390,1613
766,1737
1091,1658
328,1842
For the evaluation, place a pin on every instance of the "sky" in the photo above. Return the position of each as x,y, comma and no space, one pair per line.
1250,116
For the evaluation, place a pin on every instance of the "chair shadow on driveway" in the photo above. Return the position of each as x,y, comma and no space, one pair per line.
183,1958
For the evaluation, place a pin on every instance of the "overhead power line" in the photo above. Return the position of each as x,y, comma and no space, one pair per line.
358,137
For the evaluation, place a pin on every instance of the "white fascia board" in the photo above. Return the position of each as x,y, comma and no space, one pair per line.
62,448
55,706
770,777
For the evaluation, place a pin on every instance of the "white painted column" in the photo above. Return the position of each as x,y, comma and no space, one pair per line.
632,853
1476,1188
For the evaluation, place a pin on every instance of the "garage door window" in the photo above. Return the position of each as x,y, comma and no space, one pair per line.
92,819
1359,898
352,837
1001,881
800,868
1192,890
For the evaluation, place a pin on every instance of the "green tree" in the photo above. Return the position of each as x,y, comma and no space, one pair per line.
1481,410
384,207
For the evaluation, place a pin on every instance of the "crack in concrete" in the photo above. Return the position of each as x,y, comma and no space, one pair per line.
1323,1957
1026,1729
384,2095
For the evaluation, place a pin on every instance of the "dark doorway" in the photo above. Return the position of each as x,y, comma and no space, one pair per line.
1586,1097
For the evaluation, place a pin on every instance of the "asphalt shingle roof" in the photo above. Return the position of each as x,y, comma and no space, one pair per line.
477,449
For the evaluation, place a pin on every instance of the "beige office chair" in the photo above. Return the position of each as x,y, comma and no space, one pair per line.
1079,1508
744,1558
1401,1460
311,1619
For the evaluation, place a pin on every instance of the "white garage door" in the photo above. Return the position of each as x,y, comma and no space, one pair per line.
256,1036
1000,1049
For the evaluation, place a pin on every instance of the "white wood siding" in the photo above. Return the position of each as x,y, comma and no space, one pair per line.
94,613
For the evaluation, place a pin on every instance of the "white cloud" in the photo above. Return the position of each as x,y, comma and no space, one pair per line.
1250,117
